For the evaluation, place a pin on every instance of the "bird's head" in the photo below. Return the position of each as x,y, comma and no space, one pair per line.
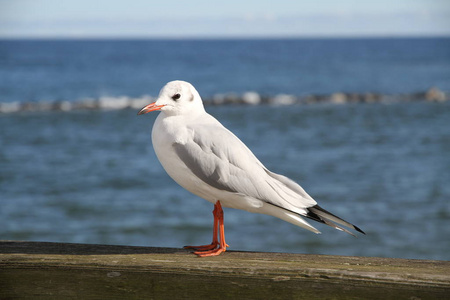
176,98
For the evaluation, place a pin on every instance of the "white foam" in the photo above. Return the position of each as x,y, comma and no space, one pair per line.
10,107
252,98
113,103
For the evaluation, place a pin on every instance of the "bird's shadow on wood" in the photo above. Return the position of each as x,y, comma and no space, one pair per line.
26,247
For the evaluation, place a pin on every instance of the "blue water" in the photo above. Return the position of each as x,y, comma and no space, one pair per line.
70,70
92,176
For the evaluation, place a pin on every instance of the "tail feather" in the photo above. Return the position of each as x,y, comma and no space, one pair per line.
335,226
319,214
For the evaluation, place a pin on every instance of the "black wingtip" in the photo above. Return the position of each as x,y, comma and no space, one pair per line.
358,229
315,212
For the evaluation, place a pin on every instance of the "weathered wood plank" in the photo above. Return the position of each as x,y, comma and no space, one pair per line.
57,270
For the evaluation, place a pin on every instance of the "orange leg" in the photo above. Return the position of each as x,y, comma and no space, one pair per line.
216,247
215,241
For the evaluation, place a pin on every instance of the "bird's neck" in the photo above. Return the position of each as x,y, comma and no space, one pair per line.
184,118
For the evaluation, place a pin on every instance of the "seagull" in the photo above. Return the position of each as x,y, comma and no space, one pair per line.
208,160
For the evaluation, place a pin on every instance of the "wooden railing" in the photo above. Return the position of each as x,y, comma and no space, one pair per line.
30,270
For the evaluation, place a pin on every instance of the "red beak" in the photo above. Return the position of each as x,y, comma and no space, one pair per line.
149,108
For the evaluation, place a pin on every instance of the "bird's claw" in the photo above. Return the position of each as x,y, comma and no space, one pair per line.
211,246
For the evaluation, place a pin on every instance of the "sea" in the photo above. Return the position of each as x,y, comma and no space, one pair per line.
91,175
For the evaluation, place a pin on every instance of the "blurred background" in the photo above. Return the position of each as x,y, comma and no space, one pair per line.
348,98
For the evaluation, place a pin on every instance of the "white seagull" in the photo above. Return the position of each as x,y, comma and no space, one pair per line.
208,160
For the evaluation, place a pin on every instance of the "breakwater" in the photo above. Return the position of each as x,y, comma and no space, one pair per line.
248,98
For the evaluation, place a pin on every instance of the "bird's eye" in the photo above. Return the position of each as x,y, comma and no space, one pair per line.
176,97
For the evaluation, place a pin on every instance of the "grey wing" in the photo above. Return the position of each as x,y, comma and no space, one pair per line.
290,184
220,159
205,166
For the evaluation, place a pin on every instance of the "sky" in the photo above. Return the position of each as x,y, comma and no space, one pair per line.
222,19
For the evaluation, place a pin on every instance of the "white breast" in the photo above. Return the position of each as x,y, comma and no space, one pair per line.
167,131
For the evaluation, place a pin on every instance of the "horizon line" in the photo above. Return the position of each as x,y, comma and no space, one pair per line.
230,37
